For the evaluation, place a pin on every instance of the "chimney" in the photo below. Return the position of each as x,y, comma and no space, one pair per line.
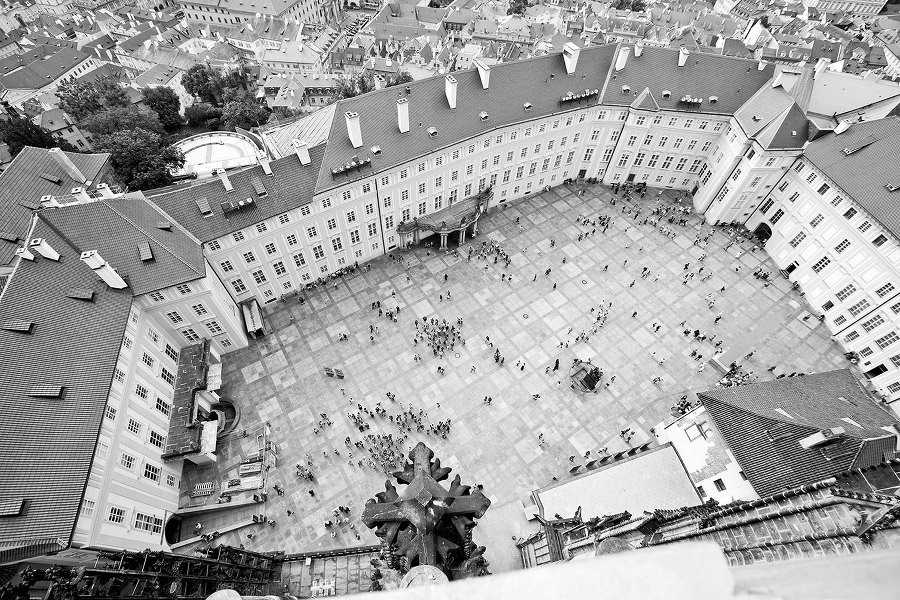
264,163
103,270
353,131
43,248
484,71
761,66
225,181
68,166
302,151
105,191
842,126
403,114
821,65
682,56
638,49
81,194
25,253
622,58
570,56
450,90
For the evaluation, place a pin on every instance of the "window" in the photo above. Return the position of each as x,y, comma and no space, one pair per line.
682,162
174,317
828,306
326,203
389,221
147,360
259,276
151,472
654,158
821,264
238,285
171,352
387,201
170,480
346,195
880,240
404,195
851,212
213,246
842,246
332,224
705,147
373,228
284,219
238,236
306,210
836,201
663,141
766,206
632,140
864,227
851,336
190,335
157,439
697,431
840,320
859,307
695,165
823,188
885,341
896,360
226,266
894,388
846,292
163,406
120,375
261,228
110,413
639,159
872,323
793,197
404,173
157,297
249,257
885,290
370,209
127,461
720,485
311,232
116,515
798,239
141,391
354,236
183,289
896,308
134,427
783,186
87,508
318,252
147,523
798,167
777,216
336,244
270,248
817,220
439,181
590,153
667,162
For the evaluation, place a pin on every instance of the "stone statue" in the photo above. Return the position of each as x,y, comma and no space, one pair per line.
426,525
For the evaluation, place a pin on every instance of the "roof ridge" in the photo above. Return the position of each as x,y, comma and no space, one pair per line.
146,234
782,419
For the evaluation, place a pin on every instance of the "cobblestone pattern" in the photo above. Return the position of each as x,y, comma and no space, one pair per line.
279,378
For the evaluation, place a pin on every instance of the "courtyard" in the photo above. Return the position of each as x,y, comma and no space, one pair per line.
280,377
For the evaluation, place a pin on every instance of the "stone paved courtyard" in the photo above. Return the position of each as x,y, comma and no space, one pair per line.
280,378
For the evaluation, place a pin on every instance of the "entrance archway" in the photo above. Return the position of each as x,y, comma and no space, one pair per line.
763,232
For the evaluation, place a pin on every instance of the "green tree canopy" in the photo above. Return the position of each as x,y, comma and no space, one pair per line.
204,81
244,113
140,159
200,114
80,98
399,78
517,7
165,103
354,85
121,119
18,133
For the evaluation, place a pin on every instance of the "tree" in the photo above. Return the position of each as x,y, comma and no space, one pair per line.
244,113
122,119
517,7
283,112
18,133
204,81
399,78
140,159
201,114
165,103
354,85
81,98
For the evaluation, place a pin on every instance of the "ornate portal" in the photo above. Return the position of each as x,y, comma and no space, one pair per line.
426,524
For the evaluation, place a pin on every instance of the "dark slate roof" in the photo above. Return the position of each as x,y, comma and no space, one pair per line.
21,182
511,85
290,185
864,173
732,80
763,424
789,130
115,228
193,366
47,444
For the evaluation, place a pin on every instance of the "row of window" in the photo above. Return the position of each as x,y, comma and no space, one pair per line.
116,515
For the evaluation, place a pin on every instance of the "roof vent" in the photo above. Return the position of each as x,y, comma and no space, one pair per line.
432,132
892,187
626,89
666,93
820,438
9,237
205,208
51,178
258,187
713,99
164,225
483,116
46,391
18,326
376,150
527,106
81,294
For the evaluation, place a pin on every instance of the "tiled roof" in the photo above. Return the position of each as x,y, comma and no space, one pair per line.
764,107
428,106
116,227
290,185
763,424
313,129
22,184
789,130
732,80
864,173
193,365
44,71
47,444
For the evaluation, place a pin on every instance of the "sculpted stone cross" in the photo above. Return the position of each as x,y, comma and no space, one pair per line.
426,524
